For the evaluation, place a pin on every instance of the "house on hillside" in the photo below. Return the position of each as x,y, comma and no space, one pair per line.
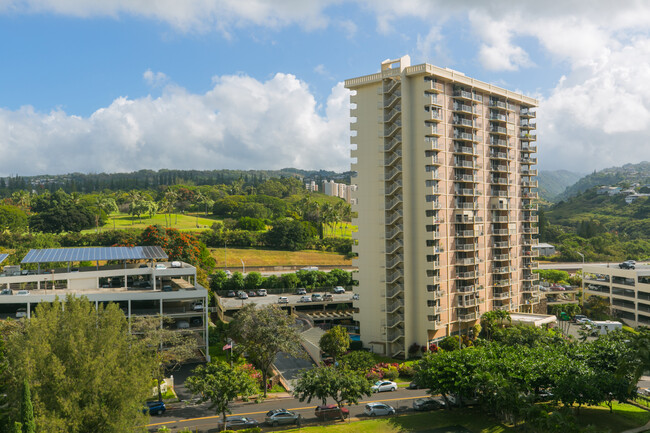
544,249
610,190
632,197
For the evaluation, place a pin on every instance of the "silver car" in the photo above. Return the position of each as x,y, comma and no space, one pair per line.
378,409
280,416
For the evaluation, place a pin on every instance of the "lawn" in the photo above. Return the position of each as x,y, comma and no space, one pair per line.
470,419
625,417
252,257
182,222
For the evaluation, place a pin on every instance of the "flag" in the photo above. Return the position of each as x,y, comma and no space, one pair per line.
227,346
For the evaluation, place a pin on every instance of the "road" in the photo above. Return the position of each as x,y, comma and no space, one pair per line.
199,417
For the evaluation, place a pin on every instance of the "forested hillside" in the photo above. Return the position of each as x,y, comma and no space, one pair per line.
627,175
553,182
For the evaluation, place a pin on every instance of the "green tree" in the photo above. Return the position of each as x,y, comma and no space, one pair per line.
552,275
4,378
27,410
219,383
218,281
87,373
335,342
253,281
171,346
358,360
341,385
12,218
289,234
263,333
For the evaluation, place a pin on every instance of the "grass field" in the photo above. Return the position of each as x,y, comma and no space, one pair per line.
253,257
181,222
625,417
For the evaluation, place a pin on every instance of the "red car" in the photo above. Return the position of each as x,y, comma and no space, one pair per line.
330,411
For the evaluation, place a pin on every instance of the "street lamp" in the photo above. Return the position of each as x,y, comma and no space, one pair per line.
243,271
582,279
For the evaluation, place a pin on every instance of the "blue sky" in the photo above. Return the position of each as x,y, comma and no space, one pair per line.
125,85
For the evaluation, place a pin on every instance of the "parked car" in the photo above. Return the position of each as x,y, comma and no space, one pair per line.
280,416
628,264
355,297
176,264
430,403
160,266
261,292
242,295
328,297
252,294
305,299
375,409
301,291
167,288
316,297
197,306
231,294
578,317
384,385
6,292
22,292
155,408
330,411
182,324
21,312
309,268
228,273
196,321
413,385
583,321
283,300
339,290
237,423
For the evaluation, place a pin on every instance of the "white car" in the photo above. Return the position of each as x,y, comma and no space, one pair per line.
160,266
305,299
374,409
197,306
384,385
22,292
21,312
339,290
283,300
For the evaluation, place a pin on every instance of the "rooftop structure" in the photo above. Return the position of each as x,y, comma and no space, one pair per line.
446,213
134,278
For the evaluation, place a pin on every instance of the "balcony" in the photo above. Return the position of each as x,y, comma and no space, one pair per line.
530,289
501,257
466,247
467,233
504,244
500,232
494,129
500,180
468,289
530,195
502,270
500,168
467,192
529,242
466,136
431,130
500,219
464,94
466,275
528,172
502,283
499,206
463,108
466,206
502,295
459,121
529,184
529,149
503,194
433,115
529,160
466,164
528,125
527,113
466,178
528,137
530,265
465,150
467,317
431,143
497,104
499,155
432,85
467,262
499,142
501,307
530,277
463,303
495,115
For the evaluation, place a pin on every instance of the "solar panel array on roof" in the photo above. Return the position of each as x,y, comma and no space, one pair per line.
3,257
93,254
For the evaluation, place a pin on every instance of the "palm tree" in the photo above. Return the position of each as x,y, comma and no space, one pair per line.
171,197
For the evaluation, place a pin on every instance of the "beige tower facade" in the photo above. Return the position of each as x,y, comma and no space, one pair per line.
446,183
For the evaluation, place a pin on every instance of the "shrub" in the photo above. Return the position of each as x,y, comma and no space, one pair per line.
391,373
406,370
413,349
374,375
356,345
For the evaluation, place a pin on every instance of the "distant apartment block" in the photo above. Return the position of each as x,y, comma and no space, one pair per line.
626,290
311,186
446,212
339,190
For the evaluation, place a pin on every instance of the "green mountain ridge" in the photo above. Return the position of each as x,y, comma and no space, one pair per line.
627,174
553,182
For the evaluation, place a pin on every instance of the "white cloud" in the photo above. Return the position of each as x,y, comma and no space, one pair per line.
155,79
240,123
189,15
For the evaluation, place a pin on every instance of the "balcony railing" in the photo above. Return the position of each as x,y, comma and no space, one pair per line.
504,244
466,302
527,112
464,122
498,129
462,94
499,142
502,283
503,295
463,108
500,155
465,149
501,257
498,104
528,137
467,317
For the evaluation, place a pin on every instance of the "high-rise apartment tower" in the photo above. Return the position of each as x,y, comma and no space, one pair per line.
446,184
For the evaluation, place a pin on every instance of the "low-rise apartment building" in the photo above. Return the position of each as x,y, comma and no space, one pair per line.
140,280
627,290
